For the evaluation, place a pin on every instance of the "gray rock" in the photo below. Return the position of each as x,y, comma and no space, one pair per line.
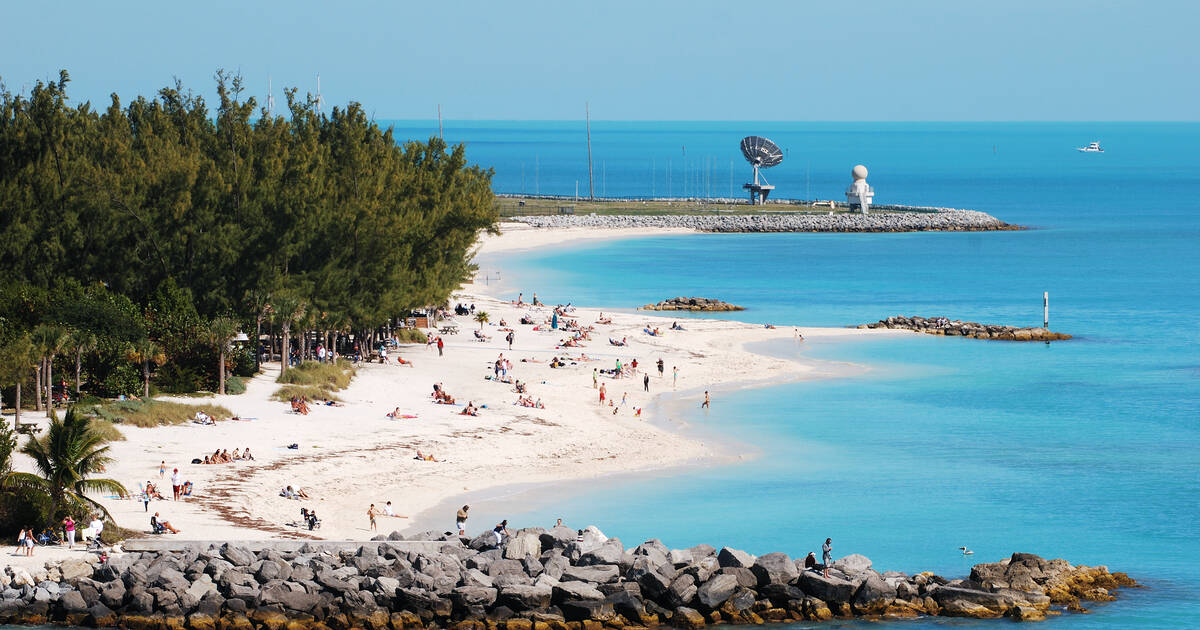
742,600
735,558
113,594
557,537
506,566
683,590
609,552
873,596
853,564
525,543
475,578
589,609
828,589
554,566
716,590
297,600
521,598
745,577
774,568
237,556
597,574
201,587
627,604
467,596
72,602
576,590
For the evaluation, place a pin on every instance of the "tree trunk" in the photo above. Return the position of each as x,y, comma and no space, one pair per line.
37,384
283,349
17,407
146,380
49,383
78,368
221,374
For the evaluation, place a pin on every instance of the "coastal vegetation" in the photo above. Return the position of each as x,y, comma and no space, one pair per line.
314,380
150,244
151,413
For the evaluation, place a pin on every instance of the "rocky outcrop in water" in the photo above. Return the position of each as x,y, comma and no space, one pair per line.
538,580
957,328
933,219
692,304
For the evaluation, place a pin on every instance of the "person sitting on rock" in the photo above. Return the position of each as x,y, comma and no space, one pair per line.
810,561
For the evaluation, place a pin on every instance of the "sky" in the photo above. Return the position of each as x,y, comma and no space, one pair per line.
1020,60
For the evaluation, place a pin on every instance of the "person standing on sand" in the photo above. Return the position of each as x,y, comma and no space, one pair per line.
704,405
176,484
602,392
674,376
660,367
595,377
69,528
461,520
440,345
510,338
162,469
646,382
827,554
371,513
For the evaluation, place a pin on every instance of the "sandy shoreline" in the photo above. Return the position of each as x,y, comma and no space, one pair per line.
354,455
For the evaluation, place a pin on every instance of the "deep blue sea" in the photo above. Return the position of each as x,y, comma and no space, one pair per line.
1087,450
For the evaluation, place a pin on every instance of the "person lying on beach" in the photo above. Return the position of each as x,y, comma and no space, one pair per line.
768,326
203,418
425,458
527,320
402,361
388,511
469,410
614,342
676,326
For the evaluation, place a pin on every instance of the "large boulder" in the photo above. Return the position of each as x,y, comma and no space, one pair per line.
586,610
292,599
716,590
735,558
468,596
557,537
873,596
853,564
683,590
75,568
609,552
237,556
518,597
597,574
525,543
774,568
828,589
576,590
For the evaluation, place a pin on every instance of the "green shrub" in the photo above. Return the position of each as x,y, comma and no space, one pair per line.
106,429
178,378
245,363
333,376
154,413
124,380
235,385
410,335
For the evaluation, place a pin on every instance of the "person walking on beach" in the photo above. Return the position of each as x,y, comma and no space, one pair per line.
176,484
646,382
371,512
595,377
461,520
510,338
827,555
162,469
69,528
704,405
660,367
602,392
440,345
674,376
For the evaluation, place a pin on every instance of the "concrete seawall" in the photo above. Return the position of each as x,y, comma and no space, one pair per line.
913,220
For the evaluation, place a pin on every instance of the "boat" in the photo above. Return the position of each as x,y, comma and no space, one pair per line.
1093,147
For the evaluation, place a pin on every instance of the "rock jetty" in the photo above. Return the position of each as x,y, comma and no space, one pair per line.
692,304
957,328
537,580
933,219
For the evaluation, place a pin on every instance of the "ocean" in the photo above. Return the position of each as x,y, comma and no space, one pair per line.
1085,450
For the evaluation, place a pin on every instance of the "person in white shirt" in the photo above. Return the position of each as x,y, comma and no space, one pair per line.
176,484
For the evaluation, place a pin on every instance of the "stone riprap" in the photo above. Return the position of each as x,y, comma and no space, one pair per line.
692,304
933,219
958,328
537,580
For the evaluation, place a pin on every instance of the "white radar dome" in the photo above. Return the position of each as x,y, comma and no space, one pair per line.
859,172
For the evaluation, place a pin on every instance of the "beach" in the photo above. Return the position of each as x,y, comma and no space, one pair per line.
354,455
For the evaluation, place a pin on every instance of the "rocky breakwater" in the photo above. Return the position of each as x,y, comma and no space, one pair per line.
957,328
692,304
537,580
934,219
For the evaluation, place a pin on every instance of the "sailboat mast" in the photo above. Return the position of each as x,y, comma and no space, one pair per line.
591,181
440,136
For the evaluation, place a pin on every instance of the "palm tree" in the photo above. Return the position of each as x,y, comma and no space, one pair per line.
17,358
50,340
482,318
65,459
144,352
221,332
288,309
83,341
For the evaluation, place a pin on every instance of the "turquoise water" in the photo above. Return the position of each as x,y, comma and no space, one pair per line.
1086,450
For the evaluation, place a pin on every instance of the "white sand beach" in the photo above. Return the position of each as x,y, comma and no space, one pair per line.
354,455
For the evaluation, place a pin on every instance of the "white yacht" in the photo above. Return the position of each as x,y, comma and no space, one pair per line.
1093,147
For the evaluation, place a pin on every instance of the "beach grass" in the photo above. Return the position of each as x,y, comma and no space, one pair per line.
314,380
410,335
153,413
107,430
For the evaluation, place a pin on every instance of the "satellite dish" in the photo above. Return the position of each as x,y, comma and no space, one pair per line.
760,153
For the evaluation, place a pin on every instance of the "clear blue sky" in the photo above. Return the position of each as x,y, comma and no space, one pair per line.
642,60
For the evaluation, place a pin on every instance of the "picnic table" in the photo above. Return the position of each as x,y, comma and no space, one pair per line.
449,329
29,428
